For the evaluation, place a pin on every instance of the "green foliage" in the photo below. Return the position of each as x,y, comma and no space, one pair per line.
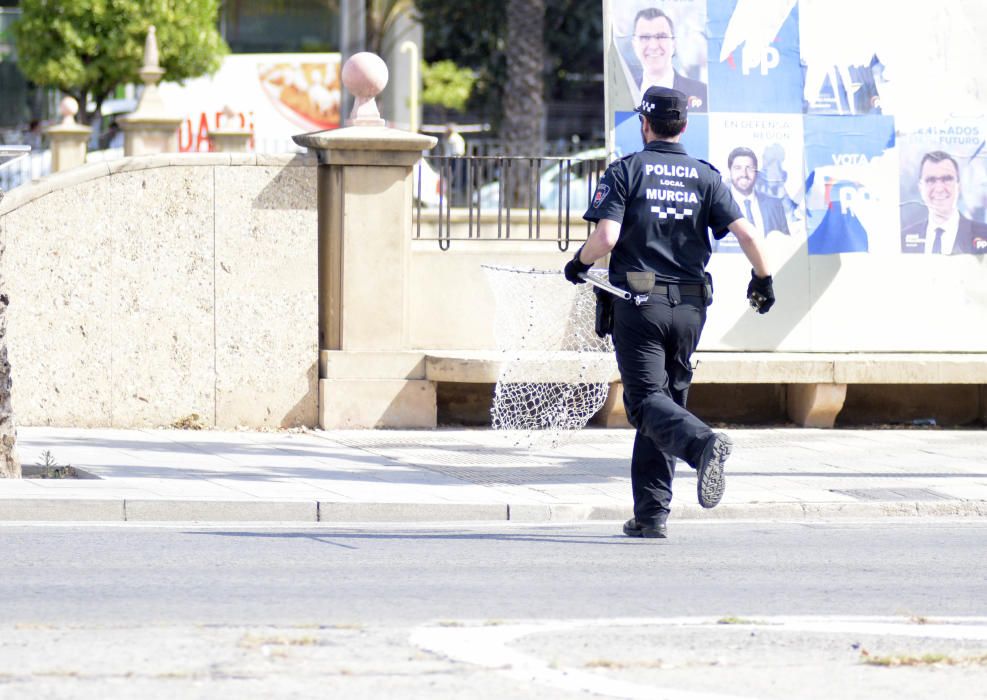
474,35
88,47
447,85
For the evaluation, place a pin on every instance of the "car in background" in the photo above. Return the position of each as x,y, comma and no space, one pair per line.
576,175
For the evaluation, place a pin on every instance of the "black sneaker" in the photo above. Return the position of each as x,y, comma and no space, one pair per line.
711,480
632,529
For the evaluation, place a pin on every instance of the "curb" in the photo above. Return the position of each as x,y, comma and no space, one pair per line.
193,510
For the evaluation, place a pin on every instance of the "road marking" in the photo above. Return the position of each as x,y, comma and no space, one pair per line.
486,645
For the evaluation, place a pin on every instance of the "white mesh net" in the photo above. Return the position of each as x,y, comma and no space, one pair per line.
555,371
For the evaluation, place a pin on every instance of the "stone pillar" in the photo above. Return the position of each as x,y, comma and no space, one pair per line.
365,195
68,139
150,129
230,138
815,405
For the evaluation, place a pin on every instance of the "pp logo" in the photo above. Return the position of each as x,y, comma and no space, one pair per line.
980,244
769,58
601,193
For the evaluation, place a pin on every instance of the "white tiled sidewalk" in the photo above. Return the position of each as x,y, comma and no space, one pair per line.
459,474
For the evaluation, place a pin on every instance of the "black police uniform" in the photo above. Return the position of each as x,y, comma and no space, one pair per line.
666,203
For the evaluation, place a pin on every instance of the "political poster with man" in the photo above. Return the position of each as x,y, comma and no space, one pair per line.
760,158
943,187
653,42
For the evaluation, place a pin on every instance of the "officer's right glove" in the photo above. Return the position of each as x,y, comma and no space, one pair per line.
574,268
761,293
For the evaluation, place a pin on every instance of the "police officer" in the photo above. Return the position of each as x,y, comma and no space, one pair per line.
653,212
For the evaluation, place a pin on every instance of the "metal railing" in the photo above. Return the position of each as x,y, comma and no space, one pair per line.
482,197
11,155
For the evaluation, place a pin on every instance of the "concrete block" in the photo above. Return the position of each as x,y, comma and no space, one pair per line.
266,297
376,403
367,364
308,159
762,368
331,512
62,509
60,328
162,295
613,415
139,510
815,405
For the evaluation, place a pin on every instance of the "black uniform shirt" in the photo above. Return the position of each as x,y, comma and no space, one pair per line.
665,202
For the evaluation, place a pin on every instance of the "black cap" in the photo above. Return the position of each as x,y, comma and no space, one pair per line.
664,103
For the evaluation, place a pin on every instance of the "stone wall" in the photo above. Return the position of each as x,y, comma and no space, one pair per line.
146,290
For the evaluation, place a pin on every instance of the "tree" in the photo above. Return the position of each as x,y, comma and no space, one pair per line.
86,48
523,125
474,35
447,85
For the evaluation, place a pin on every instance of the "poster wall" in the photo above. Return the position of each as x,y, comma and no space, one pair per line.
853,140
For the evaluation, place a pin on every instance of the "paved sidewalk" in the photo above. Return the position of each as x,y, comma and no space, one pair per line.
464,474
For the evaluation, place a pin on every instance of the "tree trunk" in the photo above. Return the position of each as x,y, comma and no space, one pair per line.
10,466
522,128
523,123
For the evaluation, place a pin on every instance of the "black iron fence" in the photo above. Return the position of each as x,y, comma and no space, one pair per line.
505,197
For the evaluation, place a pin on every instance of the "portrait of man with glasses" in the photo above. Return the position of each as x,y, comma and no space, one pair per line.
653,44
943,230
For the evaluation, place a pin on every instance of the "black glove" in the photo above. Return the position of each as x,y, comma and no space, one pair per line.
761,293
574,268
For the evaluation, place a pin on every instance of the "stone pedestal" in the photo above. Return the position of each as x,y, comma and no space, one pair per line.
68,139
364,199
152,128
230,140
143,136
68,146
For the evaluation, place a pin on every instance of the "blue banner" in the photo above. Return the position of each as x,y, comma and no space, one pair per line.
846,187
754,63
628,135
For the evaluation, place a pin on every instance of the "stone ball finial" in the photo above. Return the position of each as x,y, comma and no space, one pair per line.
365,76
68,108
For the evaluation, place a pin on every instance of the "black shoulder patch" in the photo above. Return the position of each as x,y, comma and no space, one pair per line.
711,166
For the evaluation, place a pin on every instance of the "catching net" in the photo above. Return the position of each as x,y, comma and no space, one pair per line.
555,371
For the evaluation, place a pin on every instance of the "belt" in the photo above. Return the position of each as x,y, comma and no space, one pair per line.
686,289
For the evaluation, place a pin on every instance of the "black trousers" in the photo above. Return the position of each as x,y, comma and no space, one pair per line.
654,344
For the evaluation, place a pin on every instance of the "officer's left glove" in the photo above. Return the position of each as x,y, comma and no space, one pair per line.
574,268
761,293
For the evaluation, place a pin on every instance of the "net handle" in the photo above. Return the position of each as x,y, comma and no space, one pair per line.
605,286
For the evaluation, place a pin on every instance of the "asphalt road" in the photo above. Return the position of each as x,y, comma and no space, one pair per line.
720,611
407,574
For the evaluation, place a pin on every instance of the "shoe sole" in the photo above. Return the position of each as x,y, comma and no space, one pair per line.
648,534
712,482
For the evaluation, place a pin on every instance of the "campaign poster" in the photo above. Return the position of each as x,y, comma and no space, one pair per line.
843,44
760,159
275,96
655,42
754,61
943,186
628,137
851,190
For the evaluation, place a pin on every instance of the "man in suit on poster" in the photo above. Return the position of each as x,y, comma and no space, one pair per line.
943,230
765,212
654,46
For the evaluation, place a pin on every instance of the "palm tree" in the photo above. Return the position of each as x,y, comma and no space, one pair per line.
523,123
